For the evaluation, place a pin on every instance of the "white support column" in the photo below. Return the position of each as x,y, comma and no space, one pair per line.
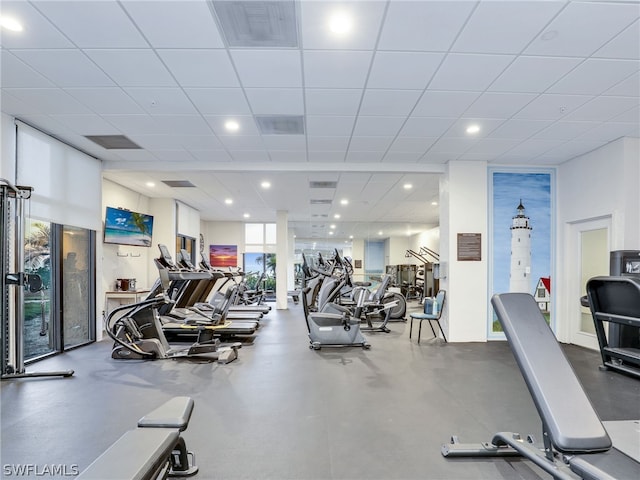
282,258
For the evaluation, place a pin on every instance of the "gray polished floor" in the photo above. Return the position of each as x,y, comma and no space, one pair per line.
282,411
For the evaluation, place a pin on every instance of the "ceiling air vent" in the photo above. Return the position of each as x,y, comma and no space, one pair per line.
319,215
320,202
280,124
322,184
114,142
254,24
178,183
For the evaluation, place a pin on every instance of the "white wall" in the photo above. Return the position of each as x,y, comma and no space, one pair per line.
224,233
602,183
463,209
7,149
397,247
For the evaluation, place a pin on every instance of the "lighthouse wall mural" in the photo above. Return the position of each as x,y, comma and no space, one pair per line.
521,237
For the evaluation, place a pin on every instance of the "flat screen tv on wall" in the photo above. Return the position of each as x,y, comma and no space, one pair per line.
124,227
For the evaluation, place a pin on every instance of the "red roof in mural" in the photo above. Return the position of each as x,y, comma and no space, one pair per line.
546,281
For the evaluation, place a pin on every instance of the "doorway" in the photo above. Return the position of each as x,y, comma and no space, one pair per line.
590,251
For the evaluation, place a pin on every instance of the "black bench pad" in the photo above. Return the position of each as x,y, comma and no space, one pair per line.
138,455
174,413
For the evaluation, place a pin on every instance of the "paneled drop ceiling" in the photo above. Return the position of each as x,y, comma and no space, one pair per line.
366,105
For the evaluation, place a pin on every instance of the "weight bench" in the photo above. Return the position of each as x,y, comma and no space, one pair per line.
154,450
576,443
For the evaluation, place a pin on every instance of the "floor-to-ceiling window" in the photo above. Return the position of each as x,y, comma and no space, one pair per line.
259,257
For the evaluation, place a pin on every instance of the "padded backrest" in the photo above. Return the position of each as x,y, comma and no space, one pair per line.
440,297
570,419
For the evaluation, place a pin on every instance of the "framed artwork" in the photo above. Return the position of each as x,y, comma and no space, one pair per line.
522,237
223,255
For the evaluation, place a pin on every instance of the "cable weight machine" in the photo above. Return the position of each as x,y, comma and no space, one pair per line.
13,281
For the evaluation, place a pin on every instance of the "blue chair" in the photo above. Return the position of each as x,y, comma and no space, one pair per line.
429,315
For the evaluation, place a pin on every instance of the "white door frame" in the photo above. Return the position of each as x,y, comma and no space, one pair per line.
576,336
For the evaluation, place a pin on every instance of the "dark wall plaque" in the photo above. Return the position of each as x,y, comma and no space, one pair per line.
469,247
358,263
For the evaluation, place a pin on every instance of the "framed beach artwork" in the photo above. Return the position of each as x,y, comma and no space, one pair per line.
522,238
223,255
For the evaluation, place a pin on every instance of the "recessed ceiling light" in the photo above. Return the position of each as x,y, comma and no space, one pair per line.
150,184
351,237
332,226
473,129
344,201
265,184
380,232
337,215
407,186
434,203
228,201
231,126
246,215
331,232
10,24
340,23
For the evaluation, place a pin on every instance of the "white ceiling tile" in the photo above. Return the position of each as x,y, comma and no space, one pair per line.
177,155
211,155
93,24
136,155
365,19
65,68
487,125
109,100
157,142
362,157
533,74
603,108
461,71
492,147
16,74
389,102
504,27
48,124
368,126
198,142
630,87
336,69
287,156
247,124
162,101
276,101
87,124
15,107
630,116
241,142
534,147
332,101
370,144
133,68
607,132
403,70
594,76
38,31
249,155
453,145
200,68
401,157
326,156
49,100
328,144
625,45
551,107
498,105
519,129
181,124
572,149
444,104
425,127
426,26
176,24
329,126
565,130
582,28
285,142
412,144
133,124
268,68
219,101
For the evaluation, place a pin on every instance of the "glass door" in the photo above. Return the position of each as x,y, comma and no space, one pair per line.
39,325
77,280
